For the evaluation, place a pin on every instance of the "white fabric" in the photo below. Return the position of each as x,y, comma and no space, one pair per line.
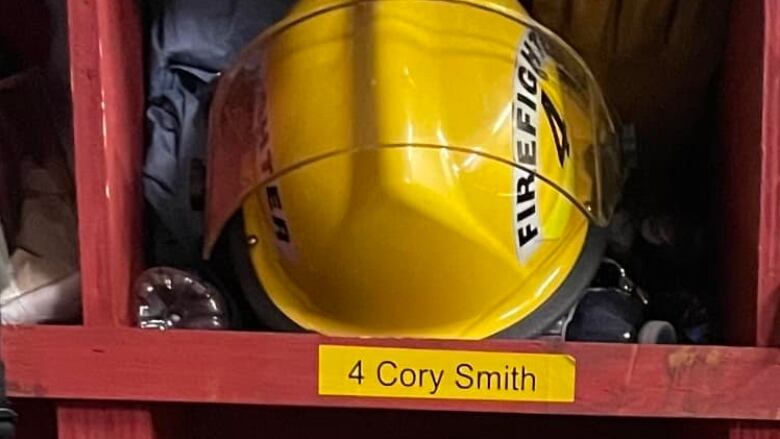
44,279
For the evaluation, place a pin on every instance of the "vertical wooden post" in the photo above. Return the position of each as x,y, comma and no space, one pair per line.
104,420
106,58
768,325
763,325
107,83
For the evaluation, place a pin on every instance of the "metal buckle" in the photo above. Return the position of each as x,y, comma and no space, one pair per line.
625,284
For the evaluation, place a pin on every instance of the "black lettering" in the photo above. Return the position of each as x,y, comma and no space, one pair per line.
558,128
526,213
523,121
528,80
524,191
532,58
526,152
274,201
406,383
514,378
379,373
526,234
356,373
282,233
530,376
488,375
465,375
436,381
527,101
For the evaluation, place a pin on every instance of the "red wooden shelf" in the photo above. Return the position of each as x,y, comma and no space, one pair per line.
105,377
281,369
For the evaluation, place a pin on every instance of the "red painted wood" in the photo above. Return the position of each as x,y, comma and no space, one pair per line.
107,75
279,369
737,205
749,205
107,88
122,72
89,157
766,329
123,364
102,421
769,249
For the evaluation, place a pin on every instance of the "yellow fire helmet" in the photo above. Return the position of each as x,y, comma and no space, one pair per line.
411,168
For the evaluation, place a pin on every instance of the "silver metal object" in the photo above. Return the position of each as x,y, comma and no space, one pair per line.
625,283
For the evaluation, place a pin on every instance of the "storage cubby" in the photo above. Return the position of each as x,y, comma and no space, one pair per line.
38,210
106,378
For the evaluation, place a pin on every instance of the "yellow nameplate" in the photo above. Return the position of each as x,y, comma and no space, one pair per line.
430,373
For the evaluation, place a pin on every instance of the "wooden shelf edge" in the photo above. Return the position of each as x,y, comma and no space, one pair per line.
84,363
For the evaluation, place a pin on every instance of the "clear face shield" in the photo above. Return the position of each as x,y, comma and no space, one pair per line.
551,85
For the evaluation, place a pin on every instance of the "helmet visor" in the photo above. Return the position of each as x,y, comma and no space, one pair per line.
474,81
